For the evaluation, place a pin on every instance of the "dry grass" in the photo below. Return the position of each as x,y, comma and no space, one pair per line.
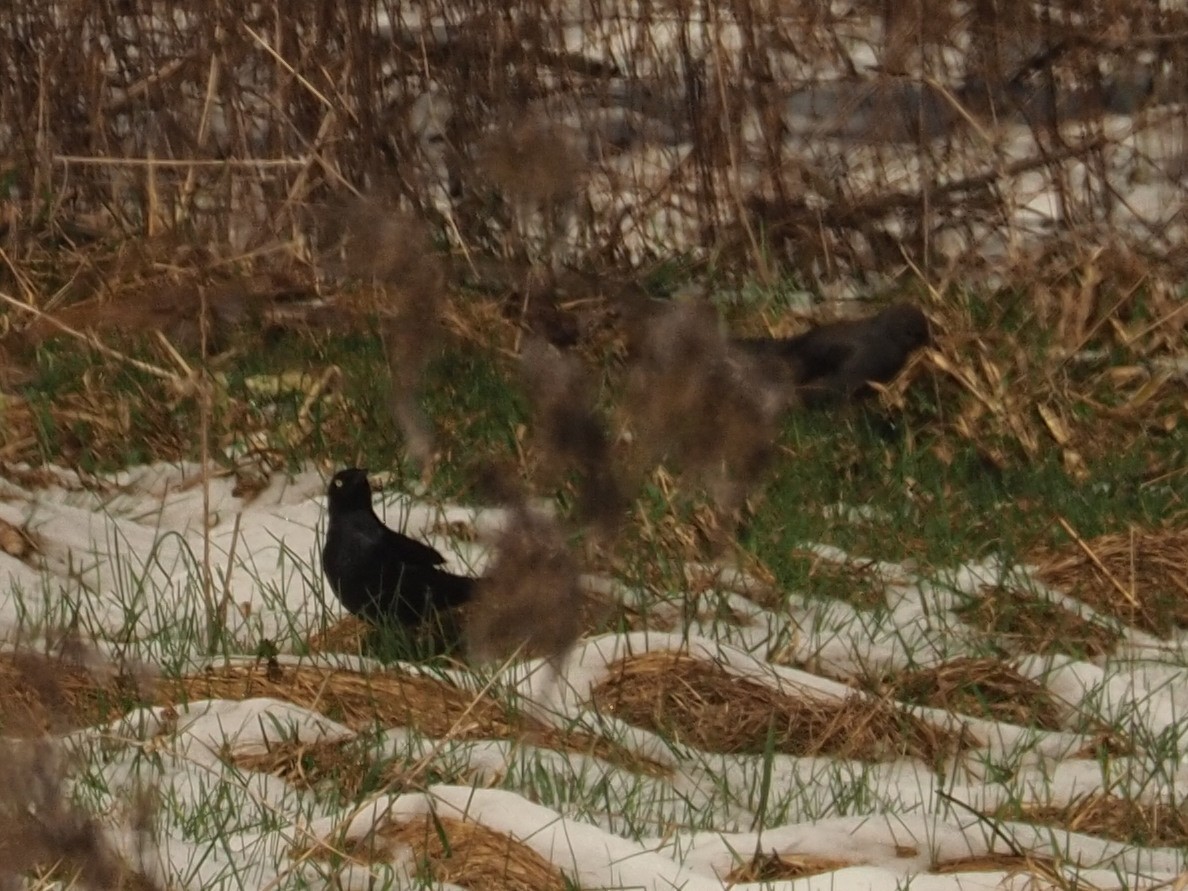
348,767
348,635
462,853
42,694
388,699
473,856
984,688
1042,868
699,703
1139,577
1022,623
857,582
776,867
1109,816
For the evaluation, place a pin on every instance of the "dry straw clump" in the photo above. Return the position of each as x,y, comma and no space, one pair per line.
985,688
57,694
458,852
1160,824
700,704
346,767
473,856
389,699
1139,577
693,398
775,867
1022,623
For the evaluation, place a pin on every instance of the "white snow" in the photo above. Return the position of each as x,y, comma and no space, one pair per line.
126,555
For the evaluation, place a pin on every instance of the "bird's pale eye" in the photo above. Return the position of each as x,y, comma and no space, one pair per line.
338,484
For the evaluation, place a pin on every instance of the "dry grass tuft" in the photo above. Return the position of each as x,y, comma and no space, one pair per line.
348,767
1022,623
530,600
348,635
775,867
56,694
699,703
457,852
1139,577
472,856
1108,816
1044,868
391,699
856,581
984,688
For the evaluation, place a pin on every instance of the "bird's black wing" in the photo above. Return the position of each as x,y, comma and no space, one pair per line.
824,351
409,550
410,592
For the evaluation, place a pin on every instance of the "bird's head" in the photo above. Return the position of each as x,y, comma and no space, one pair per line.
349,490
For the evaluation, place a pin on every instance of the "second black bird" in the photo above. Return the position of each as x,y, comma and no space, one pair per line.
836,361
379,574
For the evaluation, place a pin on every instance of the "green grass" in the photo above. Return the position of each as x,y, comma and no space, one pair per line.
917,505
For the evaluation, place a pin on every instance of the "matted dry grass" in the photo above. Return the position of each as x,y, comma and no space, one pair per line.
984,688
390,699
1139,577
857,582
347,635
1040,868
473,856
48,694
1022,623
446,850
348,765
1109,816
699,703
775,867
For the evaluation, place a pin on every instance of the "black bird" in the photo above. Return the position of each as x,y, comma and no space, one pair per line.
379,574
836,361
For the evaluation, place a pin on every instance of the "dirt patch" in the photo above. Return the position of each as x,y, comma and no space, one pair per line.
699,703
1139,577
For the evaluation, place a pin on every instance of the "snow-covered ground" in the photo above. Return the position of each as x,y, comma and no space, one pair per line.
124,557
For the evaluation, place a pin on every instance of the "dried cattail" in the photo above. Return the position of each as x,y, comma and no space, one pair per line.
693,398
530,599
570,435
